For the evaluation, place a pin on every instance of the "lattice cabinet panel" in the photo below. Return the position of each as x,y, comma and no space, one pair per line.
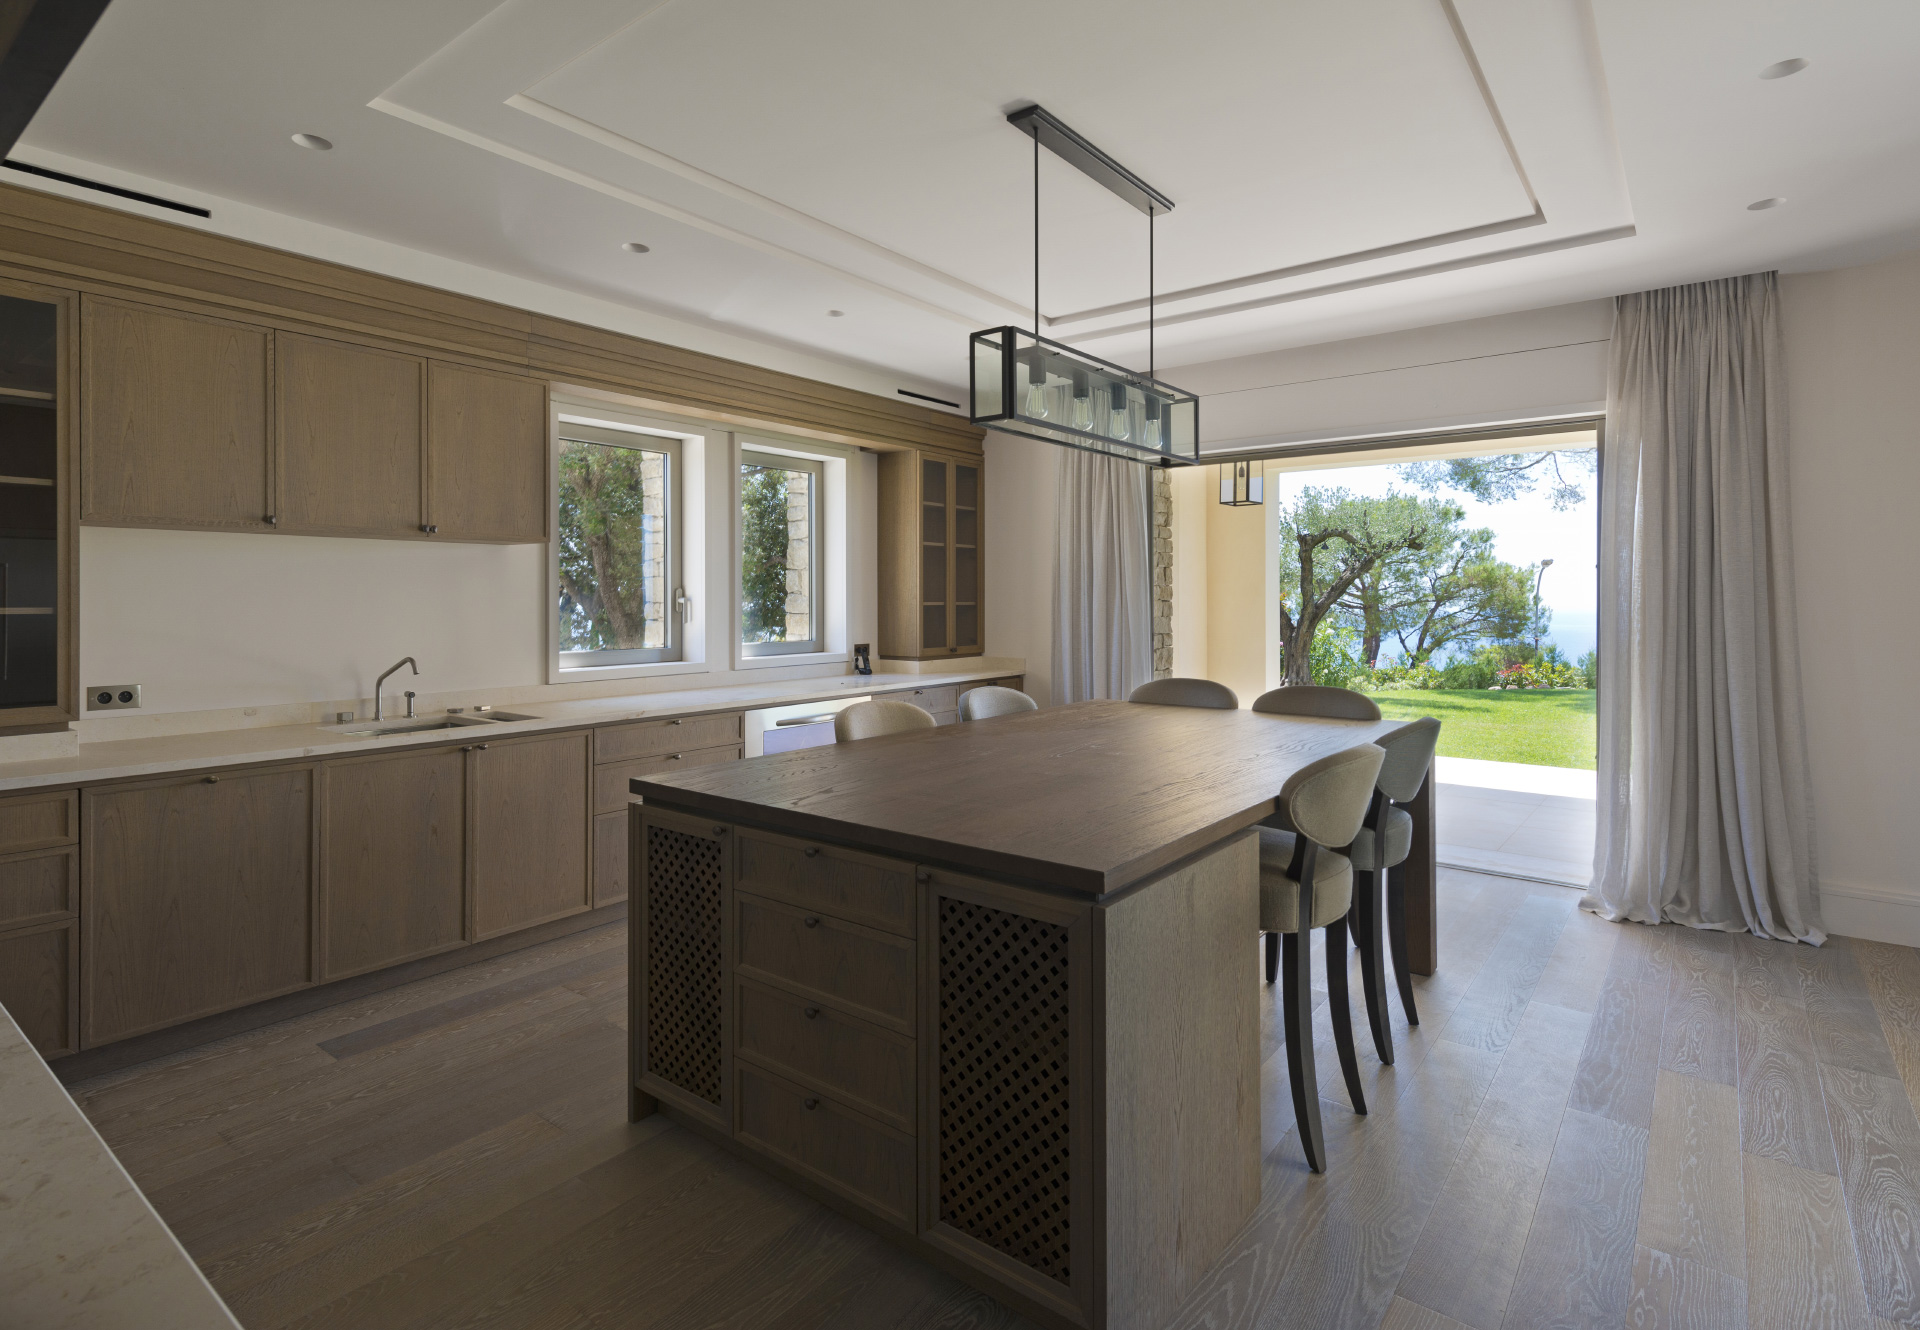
685,1016
1003,1083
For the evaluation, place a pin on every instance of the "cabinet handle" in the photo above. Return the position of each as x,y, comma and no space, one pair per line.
719,831
811,921
211,780
810,1103
676,757
272,520
473,748
811,851
673,722
810,1012
429,529
922,875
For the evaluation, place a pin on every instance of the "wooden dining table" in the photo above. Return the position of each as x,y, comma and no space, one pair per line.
990,988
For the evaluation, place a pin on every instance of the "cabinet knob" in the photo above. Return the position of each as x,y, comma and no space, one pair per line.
810,1012
211,780
811,851
922,875
810,1103
428,528
719,831
271,519
811,921
676,757
673,722
473,748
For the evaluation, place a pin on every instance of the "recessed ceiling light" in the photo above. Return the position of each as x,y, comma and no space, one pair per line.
635,247
836,314
314,141
1761,205
1783,69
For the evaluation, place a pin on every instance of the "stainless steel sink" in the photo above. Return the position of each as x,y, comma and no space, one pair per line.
413,727
503,715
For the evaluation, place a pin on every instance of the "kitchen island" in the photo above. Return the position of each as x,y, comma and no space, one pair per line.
990,988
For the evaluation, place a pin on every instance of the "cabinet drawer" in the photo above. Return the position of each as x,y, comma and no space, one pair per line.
37,888
39,821
656,738
39,985
936,700
610,779
817,1046
868,1163
861,969
861,887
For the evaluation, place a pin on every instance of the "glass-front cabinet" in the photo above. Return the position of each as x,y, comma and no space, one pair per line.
35,531
932,575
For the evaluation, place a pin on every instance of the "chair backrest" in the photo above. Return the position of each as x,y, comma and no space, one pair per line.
986,703
1312,699
870,720
1327,800
1409,754
1186,693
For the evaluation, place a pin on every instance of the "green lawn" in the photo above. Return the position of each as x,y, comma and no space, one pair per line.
1542,727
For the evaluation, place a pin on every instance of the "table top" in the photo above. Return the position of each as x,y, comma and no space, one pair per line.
1088,798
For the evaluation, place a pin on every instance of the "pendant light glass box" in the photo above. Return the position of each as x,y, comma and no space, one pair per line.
1023,384
1243,484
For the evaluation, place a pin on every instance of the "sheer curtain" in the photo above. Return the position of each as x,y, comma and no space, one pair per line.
1704,816
1102,616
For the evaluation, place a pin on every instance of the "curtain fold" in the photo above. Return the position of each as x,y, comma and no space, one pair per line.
1704,809
1102,616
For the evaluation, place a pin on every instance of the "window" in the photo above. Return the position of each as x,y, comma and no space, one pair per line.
780,569
620,598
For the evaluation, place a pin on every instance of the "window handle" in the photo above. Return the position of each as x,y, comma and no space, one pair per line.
682,604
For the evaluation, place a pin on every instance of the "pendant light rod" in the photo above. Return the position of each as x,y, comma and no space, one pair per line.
1047,129
1036,235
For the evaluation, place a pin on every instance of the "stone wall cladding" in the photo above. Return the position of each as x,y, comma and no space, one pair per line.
1160,561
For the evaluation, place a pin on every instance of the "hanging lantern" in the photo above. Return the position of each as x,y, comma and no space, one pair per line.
1243,484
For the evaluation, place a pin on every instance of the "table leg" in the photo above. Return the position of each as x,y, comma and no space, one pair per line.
1422,872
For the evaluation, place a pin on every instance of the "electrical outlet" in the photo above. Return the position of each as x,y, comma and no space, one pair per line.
113,697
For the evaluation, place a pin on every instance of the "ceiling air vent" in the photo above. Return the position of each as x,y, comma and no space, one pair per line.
114,190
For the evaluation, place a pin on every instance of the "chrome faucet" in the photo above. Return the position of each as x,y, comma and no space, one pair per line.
404,660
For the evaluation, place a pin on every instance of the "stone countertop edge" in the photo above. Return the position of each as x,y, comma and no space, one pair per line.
125,759
80,1247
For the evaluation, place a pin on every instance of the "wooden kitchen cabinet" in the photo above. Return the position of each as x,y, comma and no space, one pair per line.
486,455
197,896
39,985
351,422
174,422
393,880
529,805
932,574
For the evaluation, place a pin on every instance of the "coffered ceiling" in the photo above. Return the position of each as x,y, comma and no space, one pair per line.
1337,169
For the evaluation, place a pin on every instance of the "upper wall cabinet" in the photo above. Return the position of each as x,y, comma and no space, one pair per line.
36,528
486,455
352,426
174,422
204,423
931,570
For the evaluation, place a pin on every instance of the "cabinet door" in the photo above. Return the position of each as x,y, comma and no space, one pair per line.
936,557
351,426
393,881
486,455
969,580
174,427
529,812
38,985
197,895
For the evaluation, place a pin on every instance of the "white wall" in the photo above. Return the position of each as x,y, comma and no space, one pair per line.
1853,405
1022,489
205,620
1537,364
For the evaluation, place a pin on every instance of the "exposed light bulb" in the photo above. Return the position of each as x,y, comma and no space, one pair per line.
1119,426
1081,412
1150,430
1036,407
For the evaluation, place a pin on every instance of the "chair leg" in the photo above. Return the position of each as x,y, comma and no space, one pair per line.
1341,1012
1297,1018
1367,931
1273,954
1397,938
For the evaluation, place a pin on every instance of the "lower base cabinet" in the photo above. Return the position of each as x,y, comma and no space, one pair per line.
394,859
39,984
197,896
531,830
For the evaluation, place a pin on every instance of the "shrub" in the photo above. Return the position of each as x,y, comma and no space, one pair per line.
1589,668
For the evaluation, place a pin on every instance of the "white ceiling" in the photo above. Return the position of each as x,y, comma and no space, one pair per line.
1336,169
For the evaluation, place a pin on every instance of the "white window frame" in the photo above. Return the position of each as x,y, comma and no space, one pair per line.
603,423
753,454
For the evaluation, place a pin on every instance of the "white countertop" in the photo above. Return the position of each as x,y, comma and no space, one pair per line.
120,759
80,1247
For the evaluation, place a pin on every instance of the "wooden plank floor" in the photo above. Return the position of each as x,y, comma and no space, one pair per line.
1595,1125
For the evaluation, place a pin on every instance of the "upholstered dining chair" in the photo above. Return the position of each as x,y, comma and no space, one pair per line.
870,720
1306,883
1379,856
987,702
1312,699
1186,693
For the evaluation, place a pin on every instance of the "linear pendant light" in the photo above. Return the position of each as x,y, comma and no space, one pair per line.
1023,383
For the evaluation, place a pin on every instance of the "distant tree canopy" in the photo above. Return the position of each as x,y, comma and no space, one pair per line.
1398,565
1564,472
763,554
602,534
